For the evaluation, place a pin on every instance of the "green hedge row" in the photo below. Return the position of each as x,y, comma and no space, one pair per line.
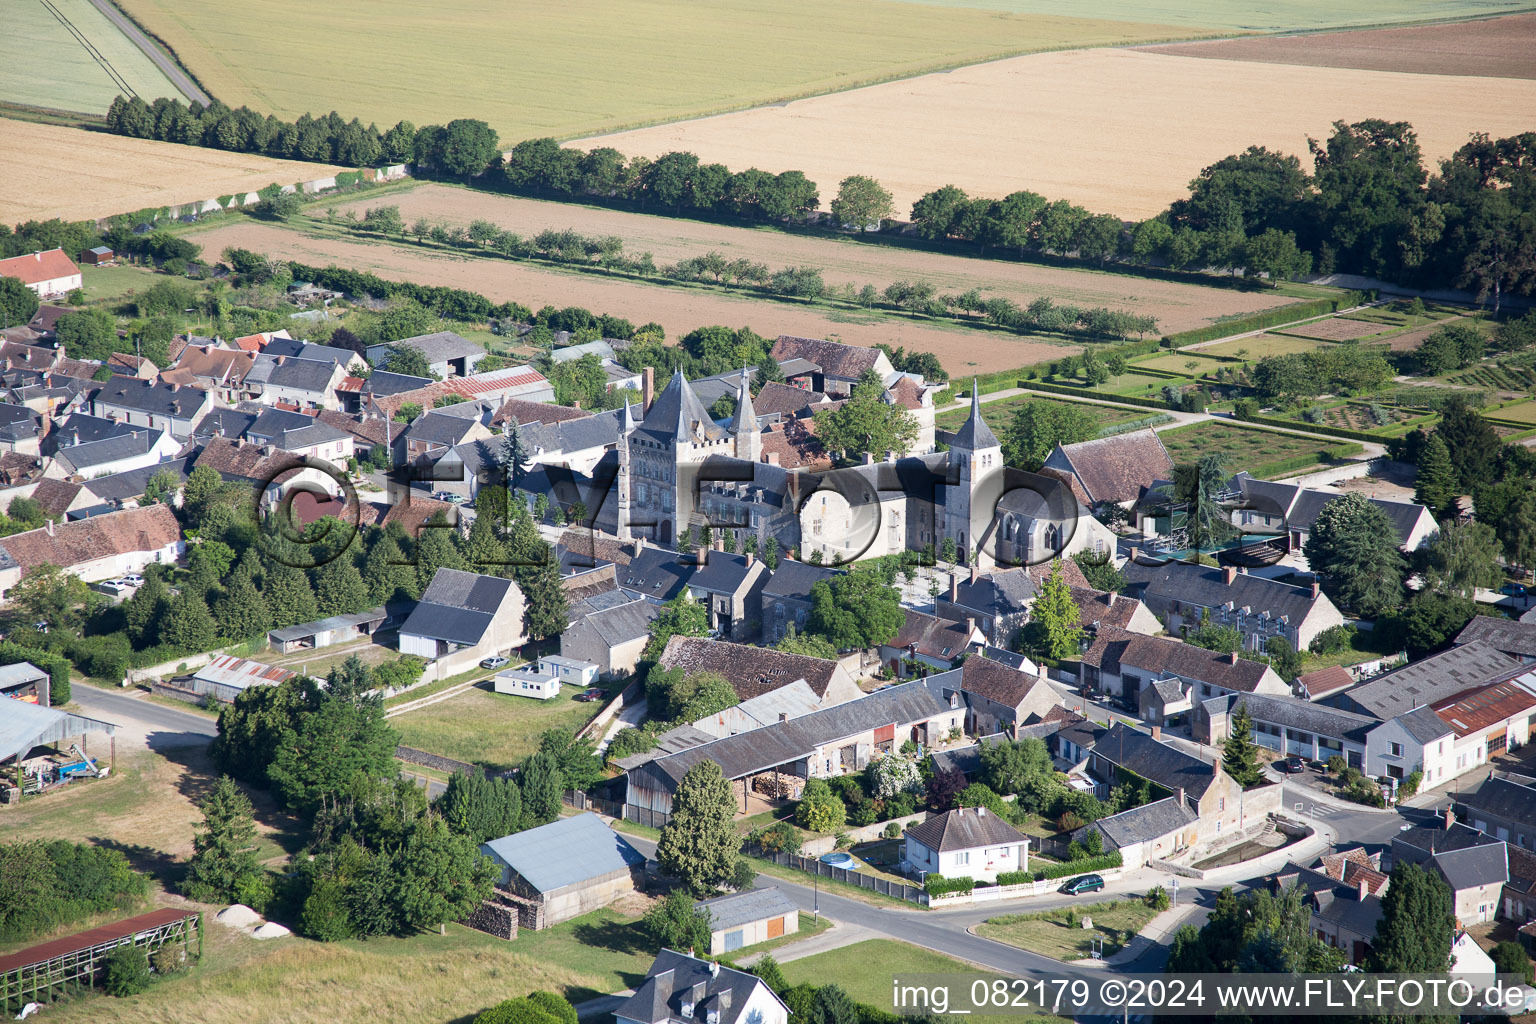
1268,318
1103,862
1104,396
1269,470
1014,878
938,885
1348,433
12,653
1001,380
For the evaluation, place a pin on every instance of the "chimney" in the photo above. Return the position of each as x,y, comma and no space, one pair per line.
783,716
702,556
576,404
1232,658
1180,794
1157,732
1315,589
975,572
772,458
647,389
1450,815
750,559
954,587
1112,596
981,812
1135,554
281,360
970,627
1228,574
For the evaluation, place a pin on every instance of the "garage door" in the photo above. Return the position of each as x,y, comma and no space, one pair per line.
775,927
733,940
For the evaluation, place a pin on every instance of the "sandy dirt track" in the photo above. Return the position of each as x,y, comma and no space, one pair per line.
1492,48
1178,307
1119,131
960,350
79,175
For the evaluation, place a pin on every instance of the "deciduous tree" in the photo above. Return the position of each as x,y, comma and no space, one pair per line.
700,844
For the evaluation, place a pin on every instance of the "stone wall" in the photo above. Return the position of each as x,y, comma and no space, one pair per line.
494,918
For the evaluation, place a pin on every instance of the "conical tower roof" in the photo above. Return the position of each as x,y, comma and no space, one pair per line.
677,413
746,416
975,435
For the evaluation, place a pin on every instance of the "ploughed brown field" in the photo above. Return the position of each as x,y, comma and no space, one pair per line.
1491,48
79,175
1117,131
1177,306
679,310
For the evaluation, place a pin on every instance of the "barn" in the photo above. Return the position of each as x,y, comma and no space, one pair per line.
747,918
325,632
98,256
564,869
227,677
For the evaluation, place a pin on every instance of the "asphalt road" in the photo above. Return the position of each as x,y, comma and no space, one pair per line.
162,725
178,77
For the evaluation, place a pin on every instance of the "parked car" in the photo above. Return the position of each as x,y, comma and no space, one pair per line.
1082,884
1292,765
495,661
1513,590
840,860
133,579
448,496
595,693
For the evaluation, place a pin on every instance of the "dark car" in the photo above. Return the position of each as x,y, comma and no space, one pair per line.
595,693
1082,884
1513,590
1293,766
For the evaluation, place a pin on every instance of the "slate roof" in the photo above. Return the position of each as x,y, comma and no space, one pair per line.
676,978
619,623
656,573
224,423
131,483
116,533
565,852
1428,680
1206,587
79,428
1119,467
383,383
794,579
1000,593
1301,505
741,908
293,372
974,434
573,434
83,458
1507,635
1503,795
435,428
1423,724
786,399
457,607
751,671
677,414
1463,856
964,828
1141,824
724,572
443,345
169,400
761,749
1155,761
1111,647
1295,713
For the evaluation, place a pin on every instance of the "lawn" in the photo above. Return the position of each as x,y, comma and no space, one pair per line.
54,69
698,59
116,282
1244,447
1261,346
494,730
864,971
1520,412
998,414
1189,364
1060,934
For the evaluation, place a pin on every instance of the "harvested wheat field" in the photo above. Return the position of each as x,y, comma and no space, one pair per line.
1118,131
1491,48
81,175
1177,306
1337,329
679,310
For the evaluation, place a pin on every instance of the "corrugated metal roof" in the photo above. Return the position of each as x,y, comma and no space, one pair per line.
227,670
303,629
94,937
21,672
24,725
564,852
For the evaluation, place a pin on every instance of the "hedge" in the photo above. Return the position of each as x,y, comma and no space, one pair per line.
938,885
1269,470
1014,878
1103,862
1267,318
1103,396
1348,433
57,668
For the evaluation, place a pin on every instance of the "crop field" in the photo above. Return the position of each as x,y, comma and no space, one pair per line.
547,67
1128,129
1338,328
1239,16
1489,48
79,175
1245,448
962,350
54,70
1177,306
1260,346
1190,364
1521,412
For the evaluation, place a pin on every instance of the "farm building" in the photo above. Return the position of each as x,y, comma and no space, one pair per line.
25,726
36,973
46,273
747,918
98,256
564,869
463,617
325,632
447,354
26,682
544,677
225,677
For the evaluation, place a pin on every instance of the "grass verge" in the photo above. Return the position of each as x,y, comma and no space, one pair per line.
1060,934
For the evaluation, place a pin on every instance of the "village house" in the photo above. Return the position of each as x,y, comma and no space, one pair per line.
1344,894
656,574
1504,806
143,404
447,354
463,617
103,547
967,842
1271,506
20,430
118,454
610,632
1113,470
290,382
1220,804
1323,682
49,273
264,467
303,436
1121,664
569,867
829,366
433,434
213,368
755,671
1000,698
998,602
1153,831
1289,726
747,918
1453,735
1473,864
928,643
730,587
786,597
681,989
1185,596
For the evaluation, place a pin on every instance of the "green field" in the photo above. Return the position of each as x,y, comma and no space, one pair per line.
1059,933
55,70
1261,346
549,67
494,730
1520,412
1297,14
1179,362
998,414
1244,447
116,282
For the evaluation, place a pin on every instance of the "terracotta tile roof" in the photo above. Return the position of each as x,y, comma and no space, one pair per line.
1117,468
369,429
1325,680
834,358
178,344
77,368
1113,647
17,356
130,364
115,533
1071,573
251,342
232,458
351,384
1473,711
597,546
412,515
526,412
221,365
996,682
37,267
907,394
1072,482
16,468
55,496
495,380
795,445
751,671
1102,607
931,636
786,399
